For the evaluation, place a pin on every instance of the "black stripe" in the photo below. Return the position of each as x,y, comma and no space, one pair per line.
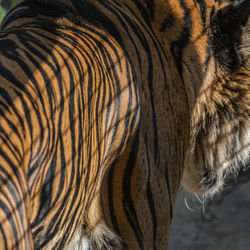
111,200
46,192
178,45
8,213
203,8
150,195
128,205
169,194
7,98
4,238
147,10
10,145
7,136
7,181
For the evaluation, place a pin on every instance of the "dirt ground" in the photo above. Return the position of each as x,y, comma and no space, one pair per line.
224,223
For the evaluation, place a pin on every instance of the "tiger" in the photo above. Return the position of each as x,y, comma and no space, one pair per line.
99,104
220,130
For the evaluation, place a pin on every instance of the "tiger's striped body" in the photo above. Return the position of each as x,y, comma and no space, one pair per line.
95,109
66,94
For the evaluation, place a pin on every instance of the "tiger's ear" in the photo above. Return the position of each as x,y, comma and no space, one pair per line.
226,32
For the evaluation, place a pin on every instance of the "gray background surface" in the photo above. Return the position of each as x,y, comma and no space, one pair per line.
224,225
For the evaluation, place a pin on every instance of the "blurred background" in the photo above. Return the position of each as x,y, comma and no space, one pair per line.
220,224
5,5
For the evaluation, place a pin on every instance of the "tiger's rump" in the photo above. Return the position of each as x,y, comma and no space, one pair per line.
75,93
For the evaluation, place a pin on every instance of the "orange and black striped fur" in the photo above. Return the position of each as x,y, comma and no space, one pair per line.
99,101
220,128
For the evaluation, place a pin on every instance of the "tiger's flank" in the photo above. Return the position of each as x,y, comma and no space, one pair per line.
106,105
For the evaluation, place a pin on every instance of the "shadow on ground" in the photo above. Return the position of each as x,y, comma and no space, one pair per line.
224,225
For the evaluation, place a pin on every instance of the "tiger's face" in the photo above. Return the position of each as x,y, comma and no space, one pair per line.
220,117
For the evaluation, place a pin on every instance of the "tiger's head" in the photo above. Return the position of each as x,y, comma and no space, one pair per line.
220,119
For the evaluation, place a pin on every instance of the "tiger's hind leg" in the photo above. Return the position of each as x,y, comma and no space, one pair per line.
101,237
93,232
79,242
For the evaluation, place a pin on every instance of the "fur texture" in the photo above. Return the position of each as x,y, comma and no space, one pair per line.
220,127
100,101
